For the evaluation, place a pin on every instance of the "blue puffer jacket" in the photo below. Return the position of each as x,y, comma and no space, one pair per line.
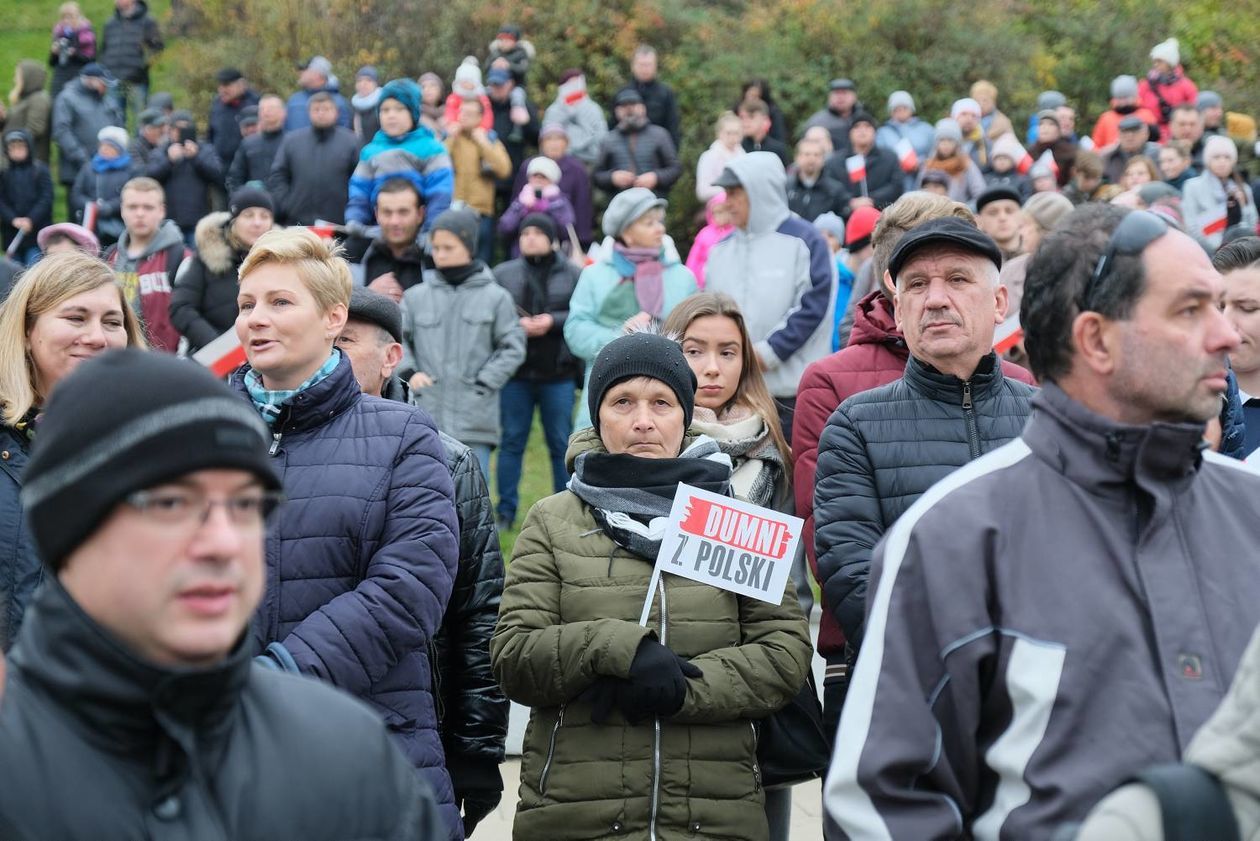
20,569
362,556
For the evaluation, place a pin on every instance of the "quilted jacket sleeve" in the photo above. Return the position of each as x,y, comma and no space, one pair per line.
475,710
539,660
357,637
758,676
847,522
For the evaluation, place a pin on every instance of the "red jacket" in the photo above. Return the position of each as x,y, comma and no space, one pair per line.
147,280
1181,91
876,355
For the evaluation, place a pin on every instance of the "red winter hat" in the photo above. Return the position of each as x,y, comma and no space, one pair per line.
860,225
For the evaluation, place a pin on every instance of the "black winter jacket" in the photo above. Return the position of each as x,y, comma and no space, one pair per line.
515,138
883,448
203,301
128,43
884,178
187,182
662,106
545,287
408,269
25,190
647,150
472,711
104,187
310,178
100,744
825,195
223,130
253,159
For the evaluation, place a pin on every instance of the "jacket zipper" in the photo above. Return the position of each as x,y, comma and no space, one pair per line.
551,751
969,415
756,764
656,739
275,444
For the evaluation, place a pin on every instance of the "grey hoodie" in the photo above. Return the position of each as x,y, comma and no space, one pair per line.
1045,622
785,291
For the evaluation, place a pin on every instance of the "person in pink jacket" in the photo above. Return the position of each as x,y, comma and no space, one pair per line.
719,225
1166,85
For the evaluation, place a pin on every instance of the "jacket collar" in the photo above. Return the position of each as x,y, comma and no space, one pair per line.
947,388
875,323
1095,451
125,703
316,405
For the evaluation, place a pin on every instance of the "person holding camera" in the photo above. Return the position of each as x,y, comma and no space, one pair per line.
73,46
187,170
541,194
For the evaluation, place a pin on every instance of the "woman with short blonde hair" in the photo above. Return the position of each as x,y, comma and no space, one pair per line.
361,557
64,310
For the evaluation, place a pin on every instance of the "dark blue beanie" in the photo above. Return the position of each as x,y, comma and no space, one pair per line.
408,93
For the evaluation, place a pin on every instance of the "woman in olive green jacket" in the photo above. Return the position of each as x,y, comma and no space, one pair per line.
637,732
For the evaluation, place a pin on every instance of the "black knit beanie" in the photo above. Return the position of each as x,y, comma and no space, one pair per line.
123,422
463,224
544,223
641,355
247,197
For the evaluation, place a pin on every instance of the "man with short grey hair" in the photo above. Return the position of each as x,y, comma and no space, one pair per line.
883,448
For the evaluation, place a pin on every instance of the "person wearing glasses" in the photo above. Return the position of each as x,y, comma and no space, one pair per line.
133,683
1070,608
362,558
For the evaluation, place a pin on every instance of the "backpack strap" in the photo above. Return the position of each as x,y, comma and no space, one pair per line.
1192,803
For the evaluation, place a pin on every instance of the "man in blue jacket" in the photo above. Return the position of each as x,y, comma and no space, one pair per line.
316,77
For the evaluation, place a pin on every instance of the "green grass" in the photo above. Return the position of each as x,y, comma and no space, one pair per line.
535,484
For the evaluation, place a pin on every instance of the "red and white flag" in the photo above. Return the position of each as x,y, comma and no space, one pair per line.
222,356
1008,334
906,156
89,216
1047,160
1214,227
857,168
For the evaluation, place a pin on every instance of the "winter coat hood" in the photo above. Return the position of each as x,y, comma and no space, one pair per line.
32,76
214,247
763,177
874,322
138,11
167,235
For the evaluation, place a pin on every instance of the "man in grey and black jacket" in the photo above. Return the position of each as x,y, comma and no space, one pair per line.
883,448
1070,608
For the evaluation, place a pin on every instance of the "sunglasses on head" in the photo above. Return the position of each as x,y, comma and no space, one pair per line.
1131,237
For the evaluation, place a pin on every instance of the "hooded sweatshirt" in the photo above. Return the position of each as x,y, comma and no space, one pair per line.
779,270
147,280
26,189
33,110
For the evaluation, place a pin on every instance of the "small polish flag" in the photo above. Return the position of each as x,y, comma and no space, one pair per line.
222,356
857,168
1214,227
1025,163
89,215
906,156
1008,334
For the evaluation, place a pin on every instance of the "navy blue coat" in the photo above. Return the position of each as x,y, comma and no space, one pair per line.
20,568
362,556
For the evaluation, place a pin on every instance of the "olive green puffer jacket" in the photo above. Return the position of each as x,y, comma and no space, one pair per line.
569,614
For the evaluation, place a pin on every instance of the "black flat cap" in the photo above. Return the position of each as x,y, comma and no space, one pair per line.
950,231
999,192
372,307
627,96
842,85
1131,123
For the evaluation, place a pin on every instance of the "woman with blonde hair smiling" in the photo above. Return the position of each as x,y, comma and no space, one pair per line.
65,309
361,557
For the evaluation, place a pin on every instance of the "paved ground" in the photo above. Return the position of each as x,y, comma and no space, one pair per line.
806,798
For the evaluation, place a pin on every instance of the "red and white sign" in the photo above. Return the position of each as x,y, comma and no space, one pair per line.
222,356
730,544
857,168
89,215
906,156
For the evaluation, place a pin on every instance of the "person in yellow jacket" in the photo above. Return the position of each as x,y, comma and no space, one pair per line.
478,157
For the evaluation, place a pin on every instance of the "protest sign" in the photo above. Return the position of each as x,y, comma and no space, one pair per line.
729,544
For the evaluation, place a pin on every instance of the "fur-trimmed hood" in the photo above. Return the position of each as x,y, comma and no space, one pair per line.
213,244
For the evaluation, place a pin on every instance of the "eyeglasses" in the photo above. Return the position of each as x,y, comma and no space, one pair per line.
186,508
1134,233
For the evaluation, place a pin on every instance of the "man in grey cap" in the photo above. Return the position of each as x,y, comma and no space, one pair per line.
842,103
1134,140
636,153
1124,103
82,109
316,76
1212,107
224,127
150,134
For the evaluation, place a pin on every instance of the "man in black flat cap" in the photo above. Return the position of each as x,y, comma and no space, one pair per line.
883,448
997,214
224,128
636,153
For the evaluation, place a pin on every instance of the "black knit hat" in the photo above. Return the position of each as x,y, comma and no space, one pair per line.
463,223
641,355
544,223
247,197
375,308
126,421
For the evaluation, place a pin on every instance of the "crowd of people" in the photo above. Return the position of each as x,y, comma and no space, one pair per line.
1003,370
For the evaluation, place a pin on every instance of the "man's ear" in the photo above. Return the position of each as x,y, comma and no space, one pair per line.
393,355
888,282
1001,300
1094,341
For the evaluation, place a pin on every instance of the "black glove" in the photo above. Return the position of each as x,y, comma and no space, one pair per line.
1233,211
657,685
478,788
